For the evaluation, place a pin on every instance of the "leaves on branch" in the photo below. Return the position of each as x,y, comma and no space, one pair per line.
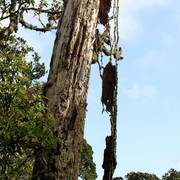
87,168
25,125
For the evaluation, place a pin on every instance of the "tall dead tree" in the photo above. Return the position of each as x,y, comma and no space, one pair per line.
66,89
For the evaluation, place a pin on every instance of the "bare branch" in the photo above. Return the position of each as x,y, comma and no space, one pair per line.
15,16
49,11
48,27
30,26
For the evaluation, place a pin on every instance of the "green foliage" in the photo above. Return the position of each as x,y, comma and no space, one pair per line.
14,48
171,175
87,166
140,176
25,126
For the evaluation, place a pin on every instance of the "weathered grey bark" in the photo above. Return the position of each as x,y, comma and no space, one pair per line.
67,87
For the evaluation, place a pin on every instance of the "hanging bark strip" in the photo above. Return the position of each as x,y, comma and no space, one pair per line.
109,99
108,86
67,91
105,6
109,162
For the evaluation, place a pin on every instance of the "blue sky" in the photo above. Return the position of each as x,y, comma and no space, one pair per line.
148,95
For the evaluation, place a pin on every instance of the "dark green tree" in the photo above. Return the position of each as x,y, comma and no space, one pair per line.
87,166
25,126
172,174
140,176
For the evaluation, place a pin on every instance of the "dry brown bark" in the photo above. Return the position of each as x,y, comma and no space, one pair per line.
67,88
105,6
109,162
108,86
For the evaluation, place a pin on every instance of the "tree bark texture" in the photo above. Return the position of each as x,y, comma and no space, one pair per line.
109,162
67,87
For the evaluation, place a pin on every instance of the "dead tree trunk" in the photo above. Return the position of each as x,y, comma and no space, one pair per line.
67,87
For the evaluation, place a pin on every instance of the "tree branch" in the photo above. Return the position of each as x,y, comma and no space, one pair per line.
15,16
48,27
49,11
13,25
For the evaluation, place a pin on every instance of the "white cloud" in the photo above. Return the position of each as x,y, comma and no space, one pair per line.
140,92
163,60
133,6
154,59
176,19
130,15
128,26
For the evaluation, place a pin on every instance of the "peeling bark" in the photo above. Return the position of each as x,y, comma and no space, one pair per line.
109,163
108,86
67,92
105,6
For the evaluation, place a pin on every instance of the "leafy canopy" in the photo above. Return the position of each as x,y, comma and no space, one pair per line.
172,174
25,125
87,167
141,176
